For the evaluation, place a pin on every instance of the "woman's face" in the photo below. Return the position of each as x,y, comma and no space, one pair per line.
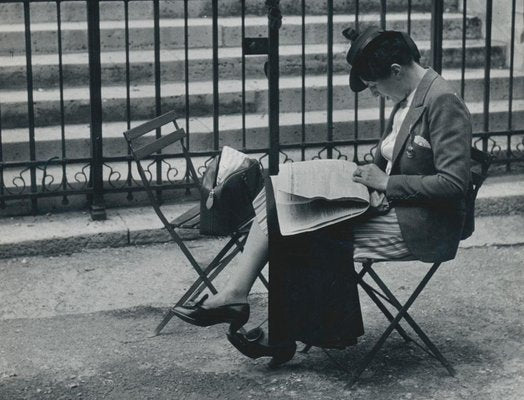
389,88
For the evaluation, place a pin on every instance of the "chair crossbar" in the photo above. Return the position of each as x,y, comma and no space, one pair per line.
151,125
220,260
371,292
196,266
371,288
159,144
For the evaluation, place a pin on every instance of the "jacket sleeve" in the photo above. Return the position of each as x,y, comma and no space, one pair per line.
449,125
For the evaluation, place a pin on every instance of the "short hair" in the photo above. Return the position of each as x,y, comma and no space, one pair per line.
375,61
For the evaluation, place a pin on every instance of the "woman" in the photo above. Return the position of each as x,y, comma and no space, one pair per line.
422,165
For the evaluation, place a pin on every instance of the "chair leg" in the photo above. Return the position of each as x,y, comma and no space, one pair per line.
210,272
434,350
367,288
401,314
190,258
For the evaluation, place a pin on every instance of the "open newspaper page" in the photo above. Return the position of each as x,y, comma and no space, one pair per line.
313,194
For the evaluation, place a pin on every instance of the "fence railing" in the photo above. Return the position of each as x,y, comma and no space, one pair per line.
115,63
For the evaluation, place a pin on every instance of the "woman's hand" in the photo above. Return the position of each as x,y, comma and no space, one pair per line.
371,176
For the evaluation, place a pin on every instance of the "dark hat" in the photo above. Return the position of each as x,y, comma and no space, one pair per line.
359,41
363,41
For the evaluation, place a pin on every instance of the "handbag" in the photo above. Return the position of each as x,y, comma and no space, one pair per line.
226,206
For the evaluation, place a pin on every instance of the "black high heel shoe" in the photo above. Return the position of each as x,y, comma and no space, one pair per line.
236,314
254,344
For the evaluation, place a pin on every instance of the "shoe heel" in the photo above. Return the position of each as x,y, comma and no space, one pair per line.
283,356
239,319
234,326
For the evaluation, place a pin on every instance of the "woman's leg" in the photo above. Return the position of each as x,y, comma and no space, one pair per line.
252,260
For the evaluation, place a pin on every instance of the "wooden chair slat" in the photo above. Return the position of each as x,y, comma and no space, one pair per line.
481,157
148,126
477,179
190,217
159,144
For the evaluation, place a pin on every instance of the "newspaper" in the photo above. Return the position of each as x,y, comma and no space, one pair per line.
313,194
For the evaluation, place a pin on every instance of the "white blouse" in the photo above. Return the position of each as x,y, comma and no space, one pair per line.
388,143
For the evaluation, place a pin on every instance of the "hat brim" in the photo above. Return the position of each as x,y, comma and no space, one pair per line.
355,83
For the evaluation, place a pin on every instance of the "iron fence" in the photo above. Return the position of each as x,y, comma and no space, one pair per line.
195,57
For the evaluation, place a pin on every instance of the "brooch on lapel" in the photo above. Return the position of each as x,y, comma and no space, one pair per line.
410,152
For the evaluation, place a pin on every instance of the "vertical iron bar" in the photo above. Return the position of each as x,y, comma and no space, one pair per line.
463,61
186,85
355,118
303,80
274,20
330,80
128,69
30,103
437,23
2,202
129,179
95,95
243,35
409,17
215,76
382,101
487,71
510,89
158,95
61,88
275,328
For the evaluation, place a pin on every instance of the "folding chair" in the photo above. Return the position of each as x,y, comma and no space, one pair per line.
189,219
480,159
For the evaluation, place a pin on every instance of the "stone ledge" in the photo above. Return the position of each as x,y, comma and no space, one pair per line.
500,212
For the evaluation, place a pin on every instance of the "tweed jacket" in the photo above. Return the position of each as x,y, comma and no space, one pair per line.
428,183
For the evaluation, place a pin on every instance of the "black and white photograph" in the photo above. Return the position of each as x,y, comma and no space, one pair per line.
261,199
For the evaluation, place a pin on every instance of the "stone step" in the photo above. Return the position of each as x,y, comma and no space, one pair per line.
109,10
76,100
77,145
76,71
141,32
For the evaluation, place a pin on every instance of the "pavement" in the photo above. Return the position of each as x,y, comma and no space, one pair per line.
79,301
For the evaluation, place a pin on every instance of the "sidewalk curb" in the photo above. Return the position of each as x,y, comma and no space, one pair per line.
499,211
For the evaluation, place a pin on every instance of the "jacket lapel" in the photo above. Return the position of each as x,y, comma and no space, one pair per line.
414,113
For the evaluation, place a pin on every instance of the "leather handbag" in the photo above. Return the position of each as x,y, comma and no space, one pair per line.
224,207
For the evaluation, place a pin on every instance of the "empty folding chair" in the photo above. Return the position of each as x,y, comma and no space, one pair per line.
188,220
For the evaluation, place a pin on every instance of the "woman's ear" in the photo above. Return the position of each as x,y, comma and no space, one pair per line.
396,70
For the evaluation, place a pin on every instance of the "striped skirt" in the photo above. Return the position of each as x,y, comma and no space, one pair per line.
377,238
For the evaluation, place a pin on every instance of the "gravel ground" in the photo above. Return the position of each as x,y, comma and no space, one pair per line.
84,346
